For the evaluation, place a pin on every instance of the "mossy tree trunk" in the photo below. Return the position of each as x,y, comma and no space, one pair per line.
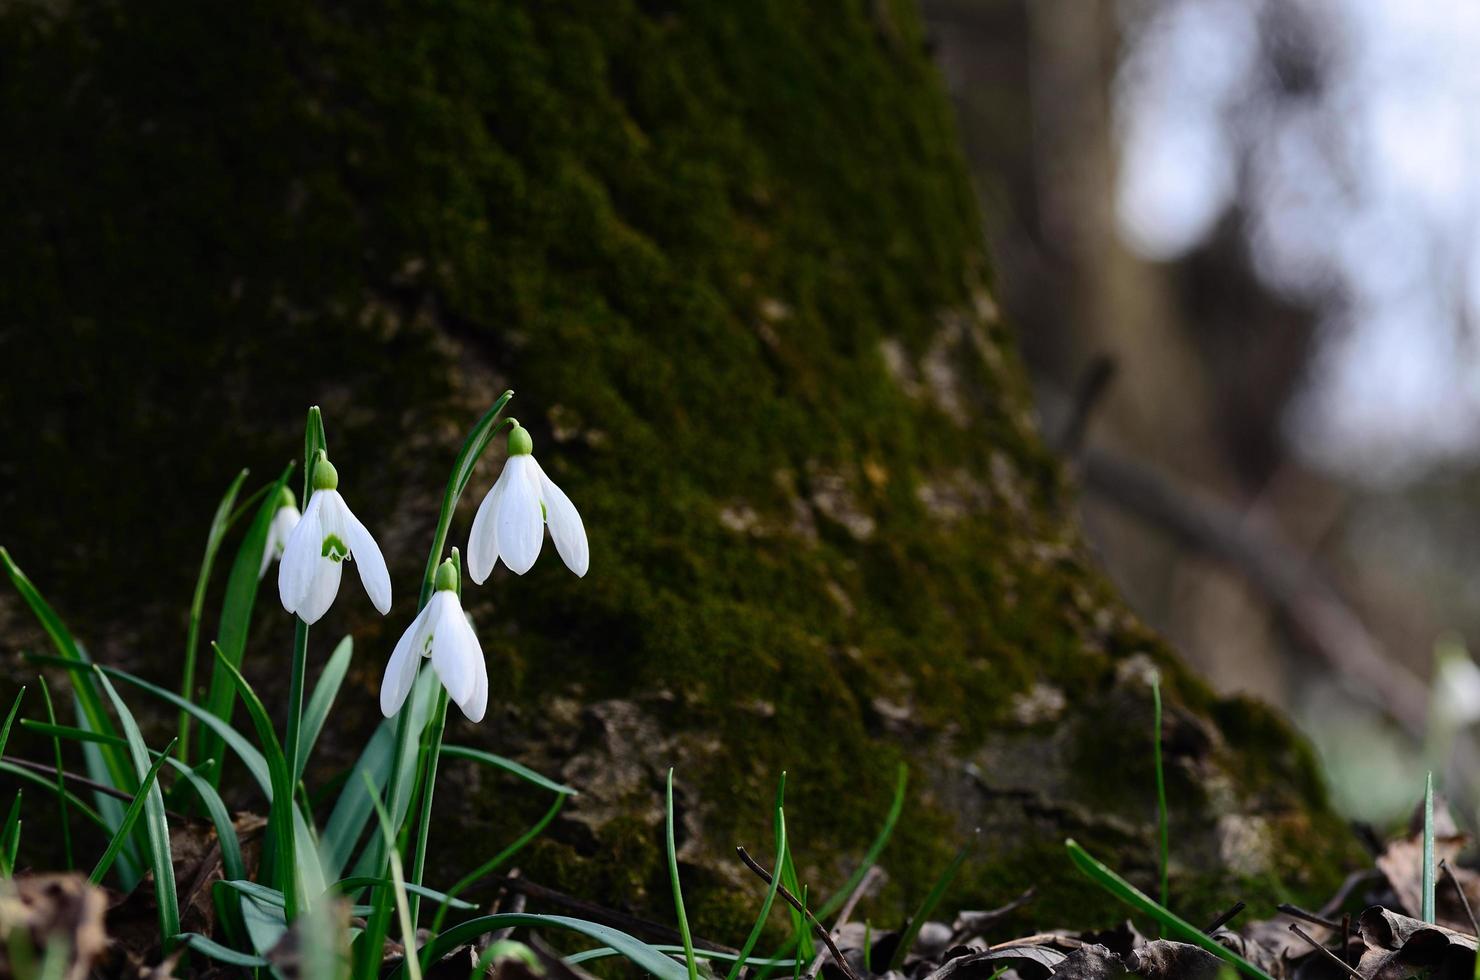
729,258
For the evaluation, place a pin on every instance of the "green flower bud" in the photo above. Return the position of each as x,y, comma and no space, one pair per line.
446,580
520,444
325,476
286,498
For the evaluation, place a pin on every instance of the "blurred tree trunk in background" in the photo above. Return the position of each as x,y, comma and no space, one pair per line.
729,257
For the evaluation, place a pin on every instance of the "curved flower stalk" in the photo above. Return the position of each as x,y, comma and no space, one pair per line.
284,520
510,523
325,537
442,632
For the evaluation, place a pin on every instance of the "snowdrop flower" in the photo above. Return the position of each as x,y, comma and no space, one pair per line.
442,632
511,520
327,536
1456,684
284,520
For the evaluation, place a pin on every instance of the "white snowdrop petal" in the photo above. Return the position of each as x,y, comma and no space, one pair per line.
368,559
483,538
476,704
521,524
566,528
322,588
278,531
400,670
295,571
449,654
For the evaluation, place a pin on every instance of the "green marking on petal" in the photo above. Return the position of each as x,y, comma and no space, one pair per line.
334,549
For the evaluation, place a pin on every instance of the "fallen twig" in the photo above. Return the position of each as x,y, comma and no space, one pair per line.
796,903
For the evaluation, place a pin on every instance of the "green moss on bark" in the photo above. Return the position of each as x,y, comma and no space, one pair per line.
728,255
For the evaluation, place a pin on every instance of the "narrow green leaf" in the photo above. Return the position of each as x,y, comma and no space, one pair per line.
403,772
457,481
1175,925
871,856
131,817
56,750
497,861
352,809
77,660
220,521
1428,849
637,952
605,952
322,700
765,912
280,828
398,879
236,620
508,765
255,762
10,832
683,917
211,949
1163,832
156,828
215,807
348,885
923,913
76,802
10,718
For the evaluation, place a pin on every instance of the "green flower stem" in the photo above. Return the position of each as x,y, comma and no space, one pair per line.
462,470
433,755
295,693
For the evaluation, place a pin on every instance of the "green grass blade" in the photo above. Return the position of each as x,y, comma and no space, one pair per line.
1428,849
403,763
156,828
231,849
235,621
457,481
10,833
119,774
1175,926
15,706
56,750
796,966
606,952
352,809
280,830
398,879
871,856
927,907
765,912
220,522
683,917
130,818
213,950
73,800
349,885
509,766
637,952
322,700
1163,829
498,860
255,762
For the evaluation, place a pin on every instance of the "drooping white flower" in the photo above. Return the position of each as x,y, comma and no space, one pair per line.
284,520
440,631
1456,684
511,521
326,536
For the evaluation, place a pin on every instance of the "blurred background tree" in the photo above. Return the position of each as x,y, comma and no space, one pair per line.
1257,220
